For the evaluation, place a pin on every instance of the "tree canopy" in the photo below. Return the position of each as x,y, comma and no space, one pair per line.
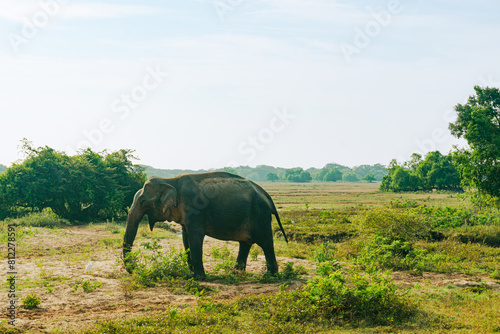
478,122
437,171
86,186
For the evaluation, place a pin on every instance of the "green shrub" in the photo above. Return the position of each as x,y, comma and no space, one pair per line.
496,274
386,253
395,224
453,217
88,286
324,252
31,301
225,264
151,265
195,288
333,296
486,235
371,296
254,253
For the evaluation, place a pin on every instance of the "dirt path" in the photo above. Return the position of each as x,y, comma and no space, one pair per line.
52,262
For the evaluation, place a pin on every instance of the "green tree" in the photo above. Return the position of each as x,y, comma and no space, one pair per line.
230,170
334,175
478,122
272,177
297,175
369,178
305,176
436,171
83,187
322,173
350,177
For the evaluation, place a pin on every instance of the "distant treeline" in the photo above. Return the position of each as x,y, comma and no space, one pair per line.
263,173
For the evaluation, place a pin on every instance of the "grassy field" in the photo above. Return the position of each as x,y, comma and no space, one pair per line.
358,261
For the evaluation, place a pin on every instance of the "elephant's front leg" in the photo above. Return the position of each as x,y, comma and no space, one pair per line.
241,261
195,235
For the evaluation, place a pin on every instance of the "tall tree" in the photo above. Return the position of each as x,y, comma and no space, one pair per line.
333,176
478,122
272,177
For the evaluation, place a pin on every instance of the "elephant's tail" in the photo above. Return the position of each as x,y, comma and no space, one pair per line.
275,212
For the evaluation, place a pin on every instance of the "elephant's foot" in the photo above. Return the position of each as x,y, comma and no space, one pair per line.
240,267
272,269
199,276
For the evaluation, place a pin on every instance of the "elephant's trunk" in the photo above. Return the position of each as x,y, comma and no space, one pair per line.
134,217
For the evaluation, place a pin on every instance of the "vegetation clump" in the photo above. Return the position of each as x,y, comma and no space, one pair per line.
151,265
31,301
83,187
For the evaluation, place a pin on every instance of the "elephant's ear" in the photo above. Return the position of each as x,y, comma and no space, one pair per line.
168,197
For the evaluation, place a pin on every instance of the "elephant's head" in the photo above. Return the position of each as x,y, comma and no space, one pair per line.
155,199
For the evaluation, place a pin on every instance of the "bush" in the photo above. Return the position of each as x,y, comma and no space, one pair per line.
324,252
86,186
151,265
226,262
333,296
395,224
31,301
371,296
386,253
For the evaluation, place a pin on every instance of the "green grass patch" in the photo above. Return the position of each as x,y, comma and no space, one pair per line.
46,218
312,226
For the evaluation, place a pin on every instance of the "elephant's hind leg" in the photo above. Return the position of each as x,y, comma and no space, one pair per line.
265,241
271,263
241,261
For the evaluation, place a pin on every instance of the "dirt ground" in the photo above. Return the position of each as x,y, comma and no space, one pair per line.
57,260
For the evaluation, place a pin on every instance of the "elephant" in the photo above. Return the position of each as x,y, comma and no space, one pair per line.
221,205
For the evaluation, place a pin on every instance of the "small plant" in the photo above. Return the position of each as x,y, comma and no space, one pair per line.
324,256
49,289
289,272
496,274
87,285
254,254
194,288
31,301
225,261
324,252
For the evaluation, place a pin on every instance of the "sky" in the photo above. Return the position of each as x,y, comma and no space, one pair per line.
200,84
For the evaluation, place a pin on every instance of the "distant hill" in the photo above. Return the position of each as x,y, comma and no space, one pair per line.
2,168
258,174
